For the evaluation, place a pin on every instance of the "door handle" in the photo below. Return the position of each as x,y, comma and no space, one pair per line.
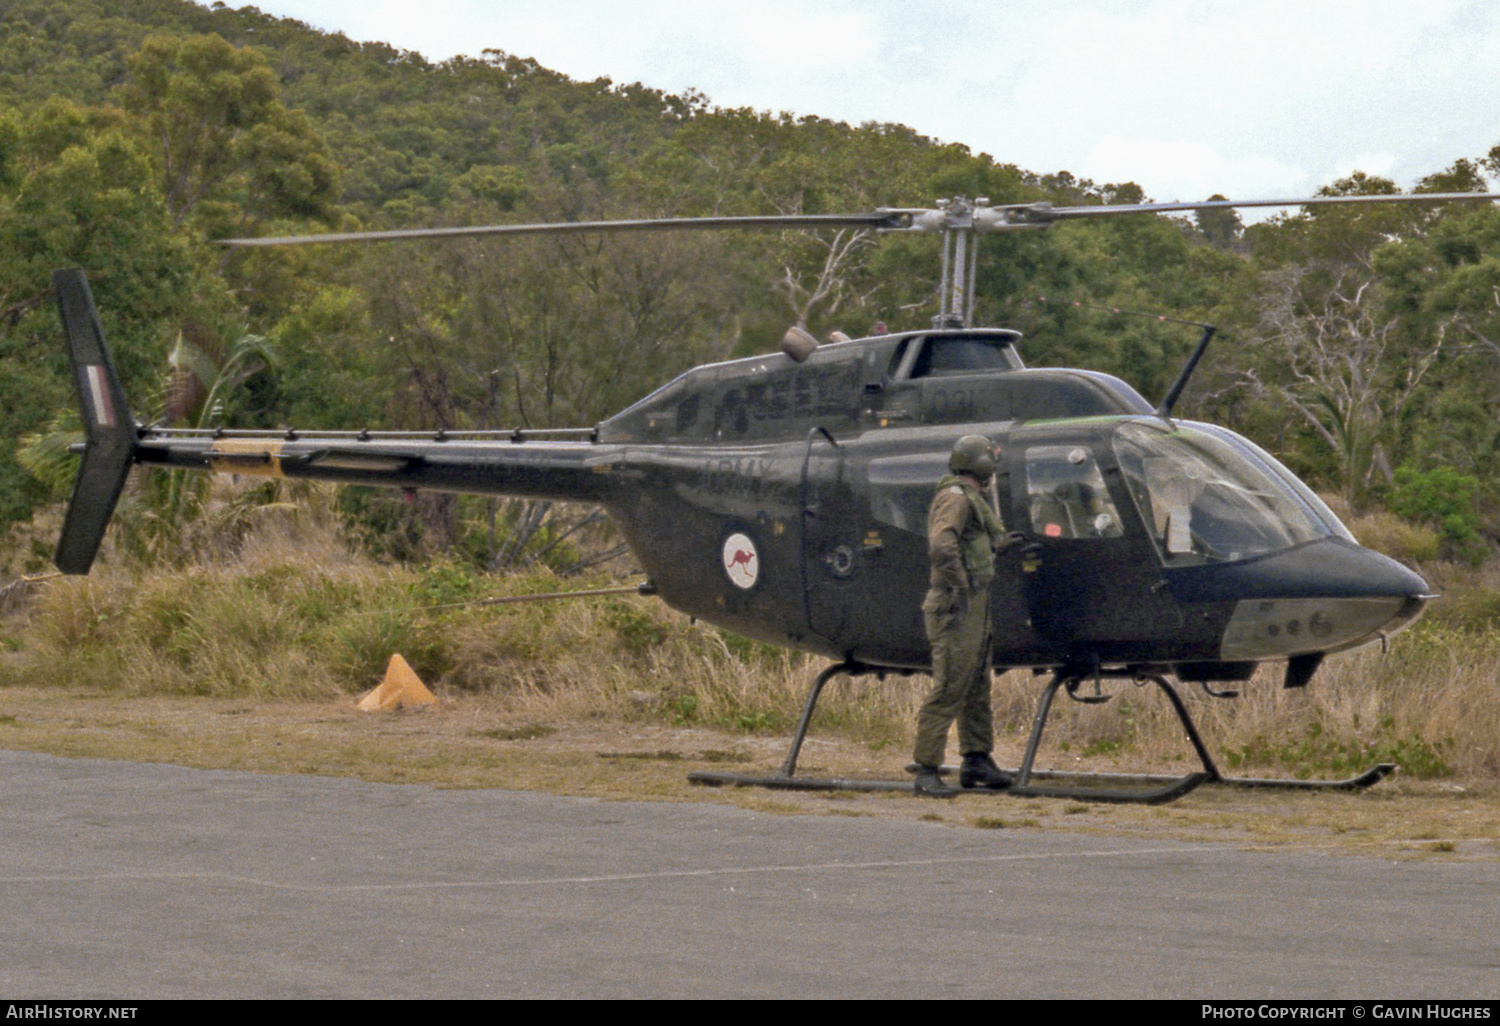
1031,558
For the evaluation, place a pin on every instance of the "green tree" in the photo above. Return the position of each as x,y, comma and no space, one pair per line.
1221,229
76,189
1335,342
1445,499
228,152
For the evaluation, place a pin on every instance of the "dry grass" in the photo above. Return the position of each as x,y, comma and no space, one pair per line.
1429,705
1400,539
293,615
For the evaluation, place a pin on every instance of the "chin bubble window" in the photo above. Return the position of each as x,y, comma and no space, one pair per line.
1066,494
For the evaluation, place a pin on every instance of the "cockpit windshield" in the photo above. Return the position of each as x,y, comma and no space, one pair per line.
1206,495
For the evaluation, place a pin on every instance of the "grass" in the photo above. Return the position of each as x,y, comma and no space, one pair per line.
293,617
528,732
307,628
1429,705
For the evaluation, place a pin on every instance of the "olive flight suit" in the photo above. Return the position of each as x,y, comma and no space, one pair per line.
963,535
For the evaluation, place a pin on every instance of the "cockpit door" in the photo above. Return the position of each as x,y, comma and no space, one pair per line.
1091,580
894,548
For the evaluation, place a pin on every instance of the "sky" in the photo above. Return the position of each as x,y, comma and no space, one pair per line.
1187,98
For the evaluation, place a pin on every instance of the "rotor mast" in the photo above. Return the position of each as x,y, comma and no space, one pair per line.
960,260
960,253
962,220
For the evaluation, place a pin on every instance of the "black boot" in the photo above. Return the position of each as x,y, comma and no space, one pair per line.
980,771
930,785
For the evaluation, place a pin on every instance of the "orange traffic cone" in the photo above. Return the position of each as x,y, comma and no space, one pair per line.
402,688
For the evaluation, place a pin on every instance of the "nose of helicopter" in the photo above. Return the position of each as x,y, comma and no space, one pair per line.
1322,597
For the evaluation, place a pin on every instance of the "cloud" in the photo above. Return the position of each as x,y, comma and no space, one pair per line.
1380,164
1189,98
1184,170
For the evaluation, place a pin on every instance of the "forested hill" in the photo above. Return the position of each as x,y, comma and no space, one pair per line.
1363,347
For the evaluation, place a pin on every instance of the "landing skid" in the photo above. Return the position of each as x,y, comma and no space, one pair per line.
1115,796
1118,788
1374,775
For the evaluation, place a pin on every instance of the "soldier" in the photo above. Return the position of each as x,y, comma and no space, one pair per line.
963,533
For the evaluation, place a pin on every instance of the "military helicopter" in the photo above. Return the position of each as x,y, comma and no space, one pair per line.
784,497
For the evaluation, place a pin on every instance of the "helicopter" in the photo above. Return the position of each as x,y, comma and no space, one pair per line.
784,496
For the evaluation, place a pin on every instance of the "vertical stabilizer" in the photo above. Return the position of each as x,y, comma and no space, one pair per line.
108,426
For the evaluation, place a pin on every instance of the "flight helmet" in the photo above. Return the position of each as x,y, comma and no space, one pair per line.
973,455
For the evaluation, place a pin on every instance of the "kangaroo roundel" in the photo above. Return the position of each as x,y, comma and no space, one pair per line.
741,561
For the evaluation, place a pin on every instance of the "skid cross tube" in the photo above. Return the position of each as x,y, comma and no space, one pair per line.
1211,774
853,669
787,779
1066,678
1170,787
1167,789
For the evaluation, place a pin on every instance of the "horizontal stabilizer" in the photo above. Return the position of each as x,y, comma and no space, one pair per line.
108,426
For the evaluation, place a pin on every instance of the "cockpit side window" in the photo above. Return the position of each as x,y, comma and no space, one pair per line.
1066,495
901,488
897,355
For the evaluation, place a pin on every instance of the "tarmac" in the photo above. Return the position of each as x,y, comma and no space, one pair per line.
127,881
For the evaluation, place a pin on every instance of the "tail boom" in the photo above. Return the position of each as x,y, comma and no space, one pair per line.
564,471
481,463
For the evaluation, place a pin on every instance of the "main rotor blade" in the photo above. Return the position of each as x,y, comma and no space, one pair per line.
878,219
960,216
1063,213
